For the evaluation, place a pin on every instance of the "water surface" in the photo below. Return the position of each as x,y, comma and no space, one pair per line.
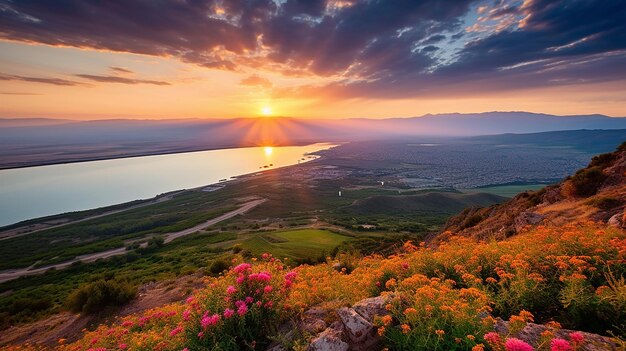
33,192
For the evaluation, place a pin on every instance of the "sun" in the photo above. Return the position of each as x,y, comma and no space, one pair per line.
268,150
266,110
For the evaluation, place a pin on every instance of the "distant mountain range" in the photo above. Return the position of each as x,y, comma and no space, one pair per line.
26,142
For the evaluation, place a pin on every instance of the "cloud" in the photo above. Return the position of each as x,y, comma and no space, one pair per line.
377,49
121,70
18,93
44,80
121,80
255,80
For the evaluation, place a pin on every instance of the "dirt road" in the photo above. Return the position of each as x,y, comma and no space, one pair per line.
16,273
17,232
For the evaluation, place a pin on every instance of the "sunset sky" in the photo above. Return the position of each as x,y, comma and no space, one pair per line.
212,59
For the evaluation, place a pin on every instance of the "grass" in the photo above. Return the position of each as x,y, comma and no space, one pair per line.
64,243
505,190
295,244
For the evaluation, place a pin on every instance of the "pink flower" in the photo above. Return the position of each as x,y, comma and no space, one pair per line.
228,313
176,331
122,346
265,256
577,337
242,309
261,277
239,303
405,265
291,276
189,299
378,284
242,268
558,344
231,290
208,321
269,304
185,349
267,289
200,335
514,344
186,314
493,338
240,279
249,299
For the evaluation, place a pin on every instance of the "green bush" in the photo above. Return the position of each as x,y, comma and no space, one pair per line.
95,297
218,266
587,181
472,221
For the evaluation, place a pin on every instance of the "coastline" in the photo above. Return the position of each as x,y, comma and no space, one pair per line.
32,164
6,230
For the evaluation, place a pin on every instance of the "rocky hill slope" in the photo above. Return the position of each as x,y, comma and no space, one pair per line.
597,193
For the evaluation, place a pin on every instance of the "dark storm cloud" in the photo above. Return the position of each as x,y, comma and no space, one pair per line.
121,80
369,48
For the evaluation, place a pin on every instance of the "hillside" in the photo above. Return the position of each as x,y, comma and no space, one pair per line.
558,284
437,202
595,193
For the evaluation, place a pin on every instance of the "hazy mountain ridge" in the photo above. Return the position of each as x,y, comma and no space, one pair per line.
55,141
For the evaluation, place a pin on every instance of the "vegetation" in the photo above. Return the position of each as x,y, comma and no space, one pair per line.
97,296
444,298
587,181
99,234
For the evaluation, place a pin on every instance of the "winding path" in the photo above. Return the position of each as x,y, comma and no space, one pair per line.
16,273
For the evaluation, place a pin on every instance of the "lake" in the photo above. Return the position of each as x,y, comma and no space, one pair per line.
33,192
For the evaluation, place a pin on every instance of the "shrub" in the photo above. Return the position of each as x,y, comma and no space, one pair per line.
472,221
602,160
242,310
432,315
95,297
606,203
218,266
587,181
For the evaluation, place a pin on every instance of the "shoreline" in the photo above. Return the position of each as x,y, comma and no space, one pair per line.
147,201
154,153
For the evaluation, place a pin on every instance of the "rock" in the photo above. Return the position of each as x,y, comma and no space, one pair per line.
616,220
277,348
532,332
374,306
357,328
314,326
527,218
313,320
328,340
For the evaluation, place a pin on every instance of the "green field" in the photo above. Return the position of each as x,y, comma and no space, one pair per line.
295,244
505,190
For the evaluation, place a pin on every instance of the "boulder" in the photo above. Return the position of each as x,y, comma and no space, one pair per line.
616,220
527,218
357,328
374,306
328,340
